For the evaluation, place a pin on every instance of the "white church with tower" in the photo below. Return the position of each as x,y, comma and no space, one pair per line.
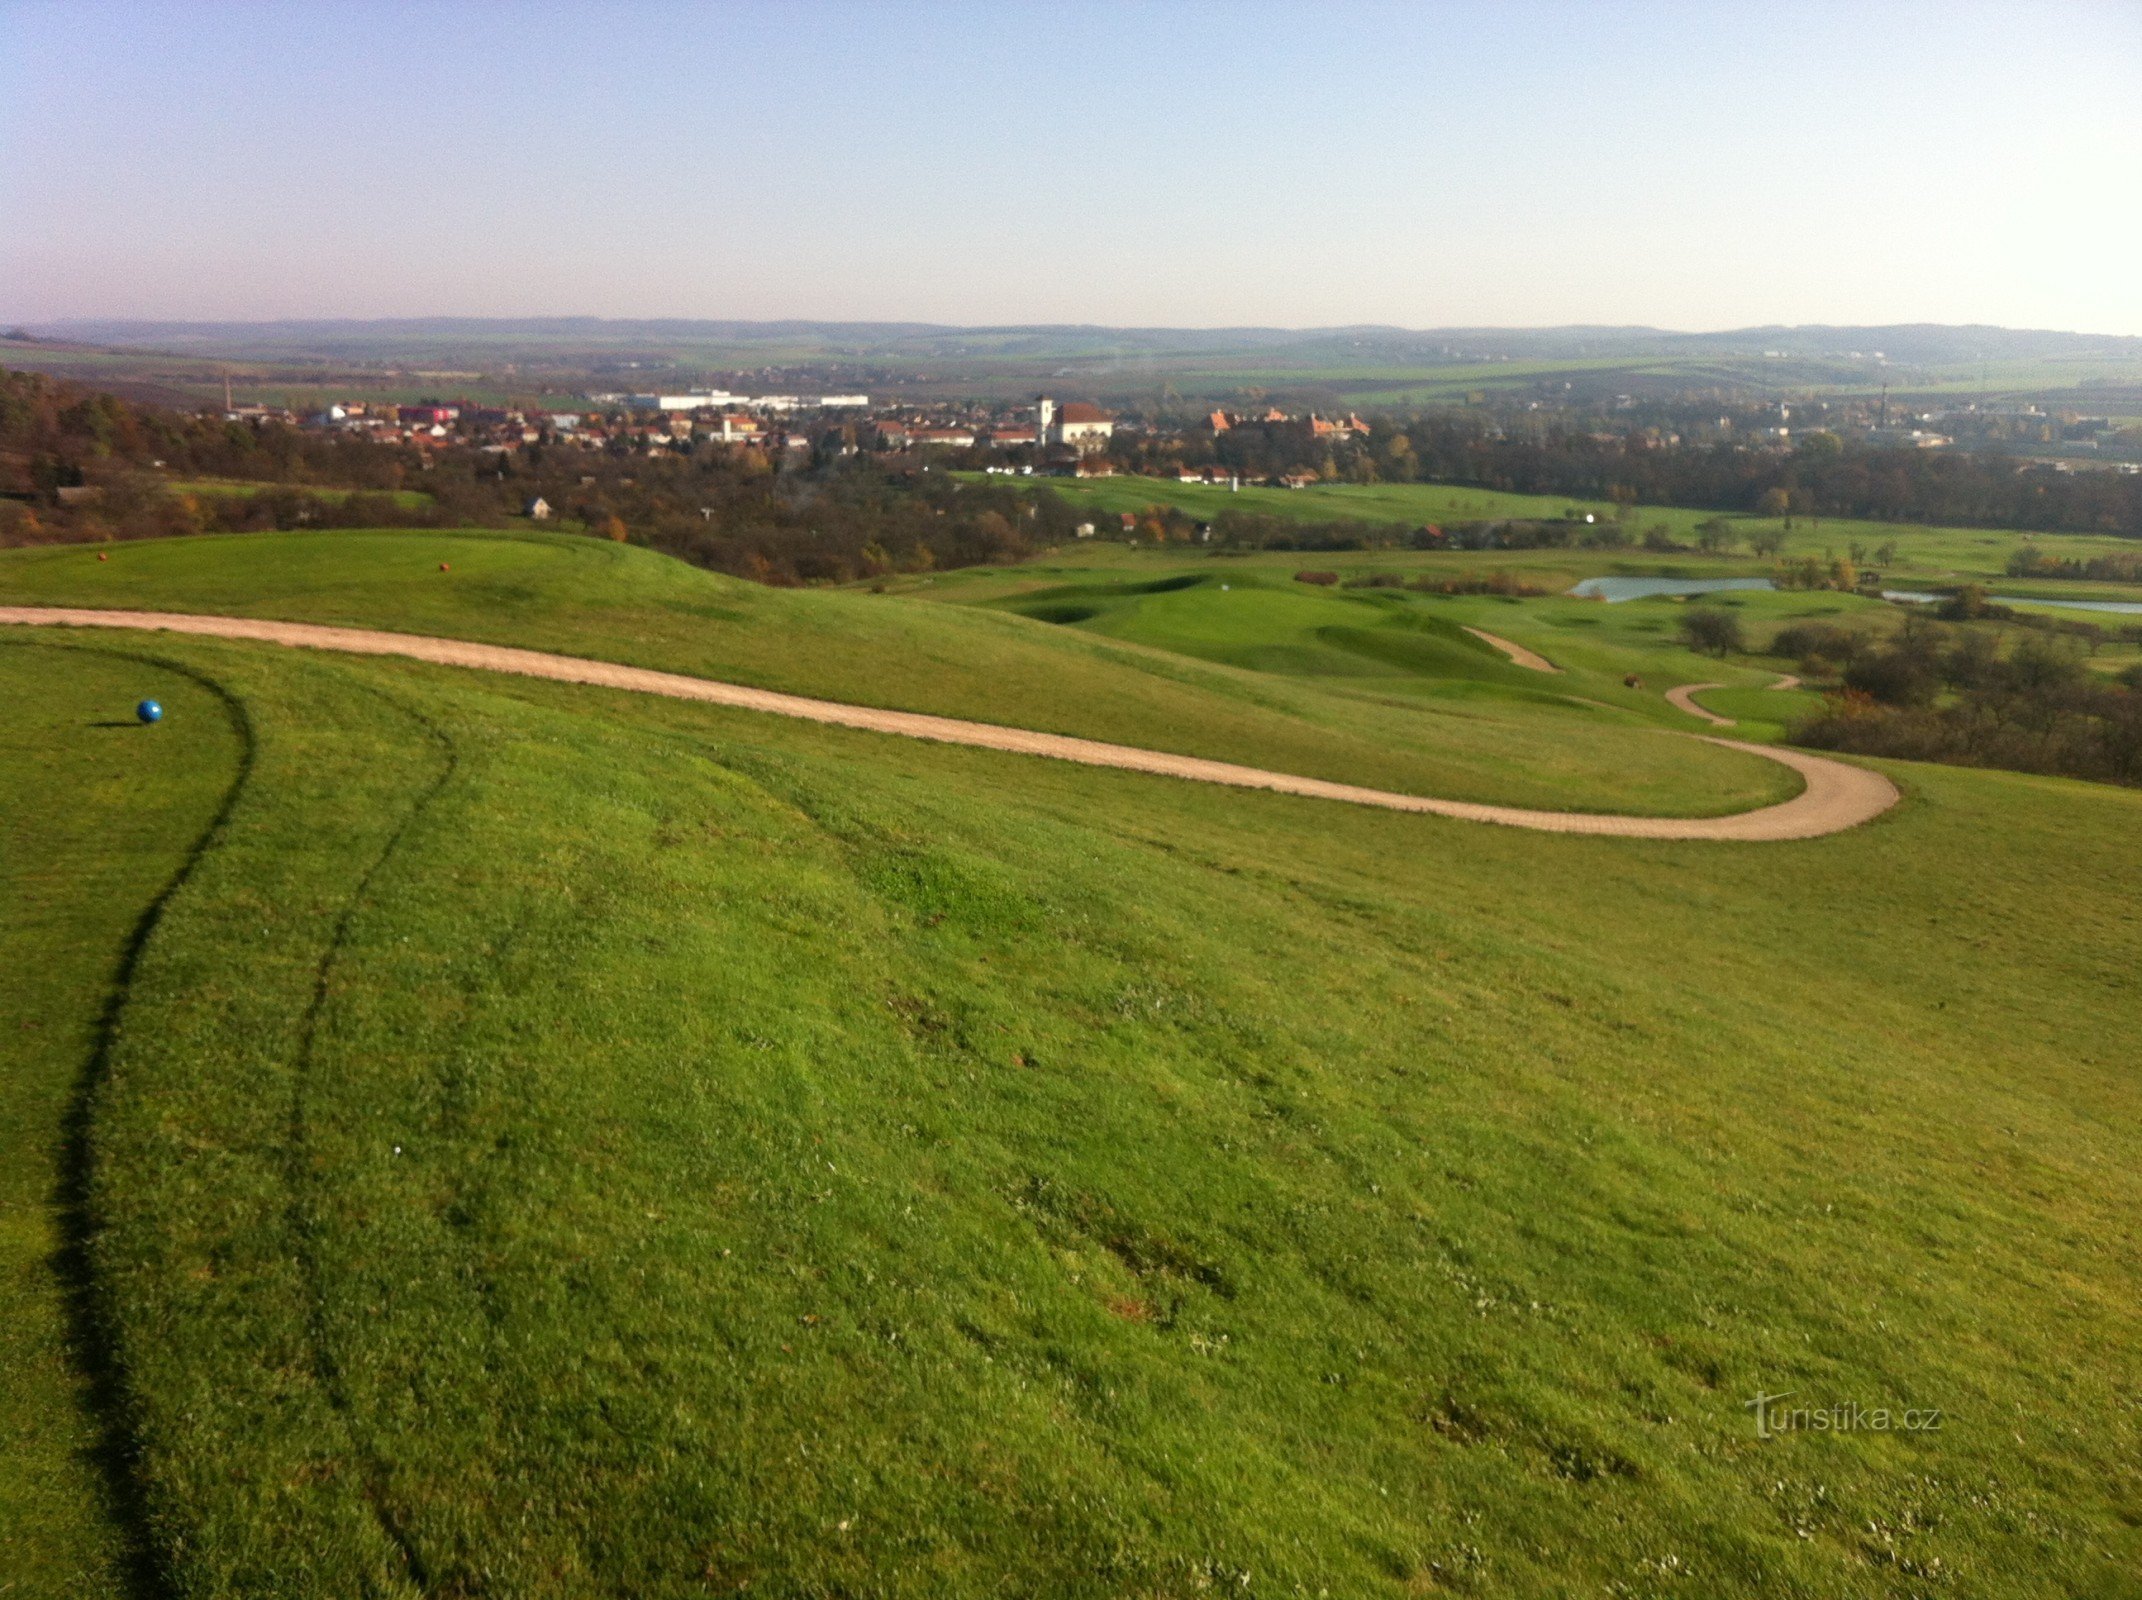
1079,426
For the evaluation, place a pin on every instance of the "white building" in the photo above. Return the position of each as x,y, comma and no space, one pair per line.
1083,427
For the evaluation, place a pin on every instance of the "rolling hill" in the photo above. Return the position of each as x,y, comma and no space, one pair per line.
508,1137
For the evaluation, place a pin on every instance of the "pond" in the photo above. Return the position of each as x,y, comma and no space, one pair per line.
1615,590
2125,608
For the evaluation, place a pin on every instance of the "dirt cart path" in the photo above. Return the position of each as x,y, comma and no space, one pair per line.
1684,699
1516,652
1837,796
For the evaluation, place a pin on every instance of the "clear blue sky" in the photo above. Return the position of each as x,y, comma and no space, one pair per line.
1687,165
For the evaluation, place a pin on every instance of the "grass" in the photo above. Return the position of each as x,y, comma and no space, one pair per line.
97,815
1397,644
239,488
1253,613
558,1144
590,597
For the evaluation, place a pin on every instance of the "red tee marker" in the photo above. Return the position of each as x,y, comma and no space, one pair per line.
104,555
443,567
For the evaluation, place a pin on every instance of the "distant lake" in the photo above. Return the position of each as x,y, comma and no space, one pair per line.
2124,608
1615,590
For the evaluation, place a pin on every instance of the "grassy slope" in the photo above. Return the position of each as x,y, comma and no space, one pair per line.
1169,598
1398,643
563,1144
589,597
96,815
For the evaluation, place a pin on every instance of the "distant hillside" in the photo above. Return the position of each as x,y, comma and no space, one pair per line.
1368,345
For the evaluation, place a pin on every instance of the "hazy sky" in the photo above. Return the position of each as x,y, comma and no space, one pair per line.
1692,165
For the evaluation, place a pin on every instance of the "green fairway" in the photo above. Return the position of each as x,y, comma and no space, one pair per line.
1398,643
561,1143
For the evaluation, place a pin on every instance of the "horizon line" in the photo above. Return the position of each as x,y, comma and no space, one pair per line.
32,324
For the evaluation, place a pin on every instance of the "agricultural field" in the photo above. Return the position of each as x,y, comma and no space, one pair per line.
238,488
507,362
499,1136
1923,553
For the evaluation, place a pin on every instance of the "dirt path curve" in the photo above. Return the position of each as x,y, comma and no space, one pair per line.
1683,698
1516,652
1837,796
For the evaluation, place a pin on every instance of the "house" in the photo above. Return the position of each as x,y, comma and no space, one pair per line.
1330,429
729,428
1325,428
1012,438
943,438
1213,475
537,510
425,415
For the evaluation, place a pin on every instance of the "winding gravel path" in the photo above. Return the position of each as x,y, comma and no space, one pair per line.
1683,699
1516,652
1837,796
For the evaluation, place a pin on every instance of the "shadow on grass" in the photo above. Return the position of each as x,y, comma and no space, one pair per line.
91,1335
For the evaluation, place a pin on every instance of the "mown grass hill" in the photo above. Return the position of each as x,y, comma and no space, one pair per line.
475,1136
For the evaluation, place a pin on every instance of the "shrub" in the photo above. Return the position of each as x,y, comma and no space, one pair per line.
1711,630
1497,582
1893,677
1815,645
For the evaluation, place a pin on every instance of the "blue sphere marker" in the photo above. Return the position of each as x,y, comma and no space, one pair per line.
149,711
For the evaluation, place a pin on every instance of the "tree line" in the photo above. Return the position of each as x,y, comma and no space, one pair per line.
1822,476
77,465
2023,699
